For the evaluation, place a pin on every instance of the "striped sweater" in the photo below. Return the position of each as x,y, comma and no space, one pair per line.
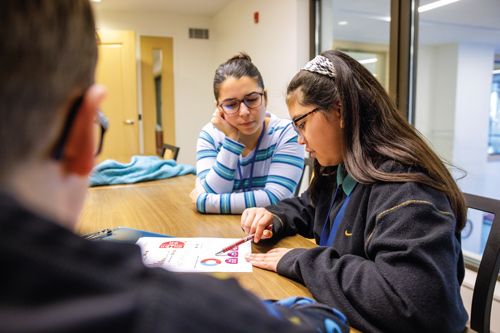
278,167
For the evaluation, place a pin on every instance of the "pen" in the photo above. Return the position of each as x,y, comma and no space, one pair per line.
241,241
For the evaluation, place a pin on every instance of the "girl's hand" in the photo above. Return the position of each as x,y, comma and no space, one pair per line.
255,221
198,189
267,260
222,125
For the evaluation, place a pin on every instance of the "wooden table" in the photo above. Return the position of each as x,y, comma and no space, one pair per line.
164,207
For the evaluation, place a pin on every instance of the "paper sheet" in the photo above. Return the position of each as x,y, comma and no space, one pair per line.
194,254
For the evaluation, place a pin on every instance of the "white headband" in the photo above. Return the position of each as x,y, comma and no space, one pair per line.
320,65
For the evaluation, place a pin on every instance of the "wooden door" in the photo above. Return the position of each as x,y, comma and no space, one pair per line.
116,69
149,98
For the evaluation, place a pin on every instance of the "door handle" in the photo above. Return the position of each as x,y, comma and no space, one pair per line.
129,121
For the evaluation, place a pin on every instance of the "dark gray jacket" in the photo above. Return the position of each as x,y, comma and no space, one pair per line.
395,265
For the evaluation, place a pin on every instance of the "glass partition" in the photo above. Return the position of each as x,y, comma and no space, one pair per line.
494,132
457,88
455,62
362,30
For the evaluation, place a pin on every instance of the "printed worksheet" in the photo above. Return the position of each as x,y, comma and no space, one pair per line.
195,254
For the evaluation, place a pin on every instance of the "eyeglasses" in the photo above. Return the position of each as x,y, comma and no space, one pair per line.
101,124
252,101
299,127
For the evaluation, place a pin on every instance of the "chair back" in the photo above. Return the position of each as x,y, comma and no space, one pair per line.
487,274
170,152
308,167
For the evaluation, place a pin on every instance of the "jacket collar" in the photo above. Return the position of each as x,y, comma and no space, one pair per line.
344,180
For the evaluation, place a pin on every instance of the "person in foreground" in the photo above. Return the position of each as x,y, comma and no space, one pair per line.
52,279
246,156
382,207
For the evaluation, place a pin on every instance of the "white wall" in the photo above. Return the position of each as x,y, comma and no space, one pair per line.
193,67
278,44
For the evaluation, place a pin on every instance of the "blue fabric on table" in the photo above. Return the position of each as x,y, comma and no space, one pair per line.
140,169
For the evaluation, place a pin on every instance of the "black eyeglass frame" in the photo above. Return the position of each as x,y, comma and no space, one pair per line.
294,122
242,101
101,118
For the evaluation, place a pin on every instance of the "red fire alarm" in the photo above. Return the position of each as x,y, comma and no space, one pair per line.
256,17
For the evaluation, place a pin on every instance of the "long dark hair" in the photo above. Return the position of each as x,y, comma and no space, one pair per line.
374,131
238,66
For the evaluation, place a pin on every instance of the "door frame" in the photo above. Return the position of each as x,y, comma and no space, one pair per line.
147,44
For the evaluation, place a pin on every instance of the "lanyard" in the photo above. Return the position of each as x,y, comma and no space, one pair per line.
328,236
253,161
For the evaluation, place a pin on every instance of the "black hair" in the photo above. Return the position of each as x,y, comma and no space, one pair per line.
374,131
238,66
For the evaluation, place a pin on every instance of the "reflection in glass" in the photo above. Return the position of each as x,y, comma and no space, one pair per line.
361,29
475,234
457,47
494,134
375,62
157,70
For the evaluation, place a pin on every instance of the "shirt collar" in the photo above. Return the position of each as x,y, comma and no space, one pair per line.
345,180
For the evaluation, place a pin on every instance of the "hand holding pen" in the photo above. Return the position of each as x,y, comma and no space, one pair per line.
255,221
243,240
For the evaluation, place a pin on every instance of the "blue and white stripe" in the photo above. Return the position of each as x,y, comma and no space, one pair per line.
278,167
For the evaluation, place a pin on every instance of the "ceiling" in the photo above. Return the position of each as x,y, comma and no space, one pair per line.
186,7
475,21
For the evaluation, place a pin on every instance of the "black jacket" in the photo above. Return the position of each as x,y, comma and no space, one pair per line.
396,263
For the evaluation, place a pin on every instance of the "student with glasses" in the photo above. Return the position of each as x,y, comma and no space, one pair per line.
246,156
53,280
383,208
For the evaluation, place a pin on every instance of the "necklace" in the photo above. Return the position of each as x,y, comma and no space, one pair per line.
253,162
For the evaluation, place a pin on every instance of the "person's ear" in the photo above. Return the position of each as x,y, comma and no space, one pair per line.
79,149
265,97
338,113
